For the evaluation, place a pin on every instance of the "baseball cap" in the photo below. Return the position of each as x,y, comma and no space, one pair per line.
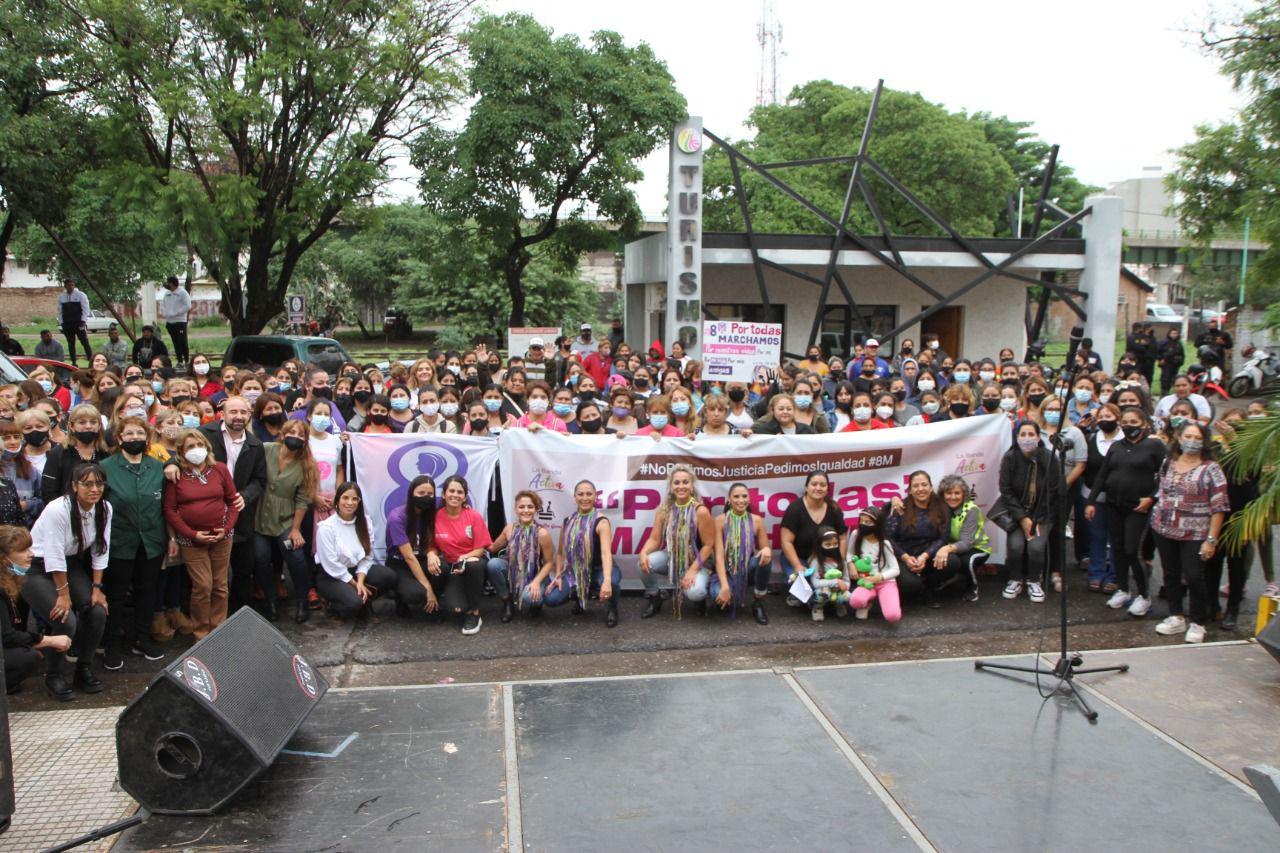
872,342
537,342
585,327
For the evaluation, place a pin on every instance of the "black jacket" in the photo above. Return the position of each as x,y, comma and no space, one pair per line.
1129,472
59,464
13,621
250,475
768,426
1018,471
1172,354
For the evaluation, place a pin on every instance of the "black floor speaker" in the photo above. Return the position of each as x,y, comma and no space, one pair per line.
215,718
1270,637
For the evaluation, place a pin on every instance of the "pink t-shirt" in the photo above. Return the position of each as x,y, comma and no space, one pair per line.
457,536
549,421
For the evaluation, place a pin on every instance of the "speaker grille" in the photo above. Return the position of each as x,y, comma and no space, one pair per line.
254,679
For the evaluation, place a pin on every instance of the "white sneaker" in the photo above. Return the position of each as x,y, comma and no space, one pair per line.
818,614
1035,592
861,612
1171,626
1012,589
1195,634
1141,604
1119,599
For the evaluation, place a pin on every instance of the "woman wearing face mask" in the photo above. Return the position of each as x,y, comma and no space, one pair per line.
268,417
1008,404
378,422
962,373
834,376
49,384
461,537
809,407
206,384
401,412
22,648
1031,490
930,406
494,420
1034,392
658,410
140,543
1102,574
26,469
349,578
988,398
622,418
539,416
564,408
411,550
681,545
957,402
870,544
867,373
84,444
362,395
588,419
903,411
342,398
1075,458
200,508
71,544
130,404
1180,413
292,479
987,371
1083,402
882,417
926,382
684,416
429,419
328,452
1127,482
452,408
1191,503
841,414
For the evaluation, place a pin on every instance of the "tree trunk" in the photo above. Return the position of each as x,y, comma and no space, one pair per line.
6,234
513,269
84,275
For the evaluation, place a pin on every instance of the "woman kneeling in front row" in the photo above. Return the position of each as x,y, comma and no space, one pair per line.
525,573
351,579
681,545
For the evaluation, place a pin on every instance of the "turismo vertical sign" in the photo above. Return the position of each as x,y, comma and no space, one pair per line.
684,238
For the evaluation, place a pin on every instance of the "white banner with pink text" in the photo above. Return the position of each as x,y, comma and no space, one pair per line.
866,468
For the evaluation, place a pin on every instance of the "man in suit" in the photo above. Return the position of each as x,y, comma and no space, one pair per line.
241,451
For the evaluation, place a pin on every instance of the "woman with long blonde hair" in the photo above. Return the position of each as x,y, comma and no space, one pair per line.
681,544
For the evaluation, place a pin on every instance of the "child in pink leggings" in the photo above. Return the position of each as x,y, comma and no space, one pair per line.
880,583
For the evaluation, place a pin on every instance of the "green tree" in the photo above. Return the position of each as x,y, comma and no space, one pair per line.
552,139
260,123
1231,171
945,159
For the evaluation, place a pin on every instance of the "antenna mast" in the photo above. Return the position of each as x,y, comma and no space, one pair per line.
769,37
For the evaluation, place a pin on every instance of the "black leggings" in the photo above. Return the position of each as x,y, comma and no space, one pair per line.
929,580
84,624
139,574
459,593
1182,566
1125,528
343,599
1026,558
72,333
966,565
19,664
1237,571
409,590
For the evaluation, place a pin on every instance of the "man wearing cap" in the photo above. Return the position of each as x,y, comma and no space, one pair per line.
116,350
584,345
536,363
175,310
147,347
872,350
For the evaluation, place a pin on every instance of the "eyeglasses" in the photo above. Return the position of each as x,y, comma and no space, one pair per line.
92,485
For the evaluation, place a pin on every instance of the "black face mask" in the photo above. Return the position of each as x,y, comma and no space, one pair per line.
343,399
179,399
906,350
868,371
325,393
591,425
899,395
480,426
1009,380
867,529
362,397
1107,427
134,446
378,419
959,410
1132,432
275,419
37,437
1126,366
737,395
845,406
990,405
86,436
641,382
586,396
423,502
294,443
1035,399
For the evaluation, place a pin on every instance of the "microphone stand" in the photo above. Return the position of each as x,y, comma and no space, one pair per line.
1068,665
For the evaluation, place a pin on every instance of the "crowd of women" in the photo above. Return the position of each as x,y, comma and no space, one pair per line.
141,503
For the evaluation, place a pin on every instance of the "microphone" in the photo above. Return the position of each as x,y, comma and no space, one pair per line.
1077,335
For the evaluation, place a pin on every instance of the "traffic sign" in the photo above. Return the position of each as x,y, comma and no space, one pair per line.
297,306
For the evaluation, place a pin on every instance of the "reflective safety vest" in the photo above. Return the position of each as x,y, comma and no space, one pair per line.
980,540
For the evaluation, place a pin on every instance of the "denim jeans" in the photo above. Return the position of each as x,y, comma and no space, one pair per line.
757,579
1100,568
550,597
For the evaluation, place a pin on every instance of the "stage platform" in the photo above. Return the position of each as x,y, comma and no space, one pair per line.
927,755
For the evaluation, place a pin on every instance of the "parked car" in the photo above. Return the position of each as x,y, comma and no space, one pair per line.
271,351
98,321
15,369
1158,313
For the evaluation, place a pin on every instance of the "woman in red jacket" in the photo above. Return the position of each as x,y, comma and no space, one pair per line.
201,509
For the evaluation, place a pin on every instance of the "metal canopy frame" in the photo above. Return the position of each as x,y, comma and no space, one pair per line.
861,165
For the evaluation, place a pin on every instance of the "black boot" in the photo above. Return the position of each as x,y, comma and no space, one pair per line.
757,610
611,614
577,606
301,613
701,607
535,610
58,687
402,609
652,606
508,609
1230,617
85,681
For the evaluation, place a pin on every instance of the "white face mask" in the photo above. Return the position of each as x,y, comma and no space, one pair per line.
884,412
930,408
449,409
925,385
862,413
1008,404
196,455
200,369
430,409
538,405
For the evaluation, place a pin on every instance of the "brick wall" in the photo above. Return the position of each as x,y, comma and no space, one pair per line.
21,305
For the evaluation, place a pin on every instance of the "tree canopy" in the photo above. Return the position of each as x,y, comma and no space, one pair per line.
552,140
1231,171
962,167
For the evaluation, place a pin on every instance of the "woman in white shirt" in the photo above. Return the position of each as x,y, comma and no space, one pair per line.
349,578
70,544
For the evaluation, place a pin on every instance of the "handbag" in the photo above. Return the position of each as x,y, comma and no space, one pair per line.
1001,517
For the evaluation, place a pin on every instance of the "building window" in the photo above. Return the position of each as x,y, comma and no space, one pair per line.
747,313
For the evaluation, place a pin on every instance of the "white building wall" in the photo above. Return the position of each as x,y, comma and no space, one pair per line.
993,313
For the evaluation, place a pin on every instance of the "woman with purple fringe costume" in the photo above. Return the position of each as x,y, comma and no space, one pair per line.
681,545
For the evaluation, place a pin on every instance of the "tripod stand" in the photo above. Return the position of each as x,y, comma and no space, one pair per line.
1068,665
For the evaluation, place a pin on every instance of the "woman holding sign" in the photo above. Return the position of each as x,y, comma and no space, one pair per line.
683,541
742,552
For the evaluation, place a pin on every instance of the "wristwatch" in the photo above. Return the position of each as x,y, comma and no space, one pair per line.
97,586
1211,540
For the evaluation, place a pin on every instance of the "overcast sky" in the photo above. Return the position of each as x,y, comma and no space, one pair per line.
1117,83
